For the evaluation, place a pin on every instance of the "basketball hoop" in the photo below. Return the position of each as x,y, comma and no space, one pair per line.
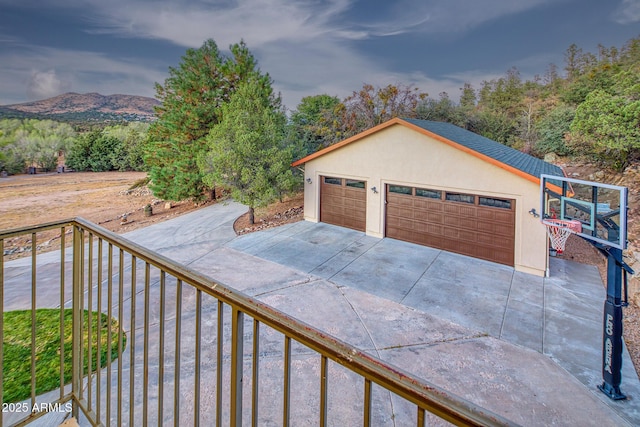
559,231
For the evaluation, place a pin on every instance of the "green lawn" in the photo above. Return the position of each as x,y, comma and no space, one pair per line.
17,350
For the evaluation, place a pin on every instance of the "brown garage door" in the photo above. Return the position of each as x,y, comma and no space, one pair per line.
469,224
343,202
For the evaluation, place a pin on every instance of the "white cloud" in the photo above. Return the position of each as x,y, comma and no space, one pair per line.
37,72
444,16
628,12
189,24
45,84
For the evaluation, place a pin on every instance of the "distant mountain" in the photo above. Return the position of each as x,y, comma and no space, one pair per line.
88,107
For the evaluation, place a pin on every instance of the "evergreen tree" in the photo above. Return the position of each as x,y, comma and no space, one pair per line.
246,150
310,124
610,126
192,97
552,131
440,110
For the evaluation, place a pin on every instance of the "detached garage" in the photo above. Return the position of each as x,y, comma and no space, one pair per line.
433,184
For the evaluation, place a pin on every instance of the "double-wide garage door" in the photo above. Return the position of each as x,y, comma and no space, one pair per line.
343,202
468,224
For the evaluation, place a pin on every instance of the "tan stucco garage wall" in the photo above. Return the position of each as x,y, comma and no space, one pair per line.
400,155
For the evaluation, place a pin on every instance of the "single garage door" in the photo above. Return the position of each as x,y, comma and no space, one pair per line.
343,202
469,224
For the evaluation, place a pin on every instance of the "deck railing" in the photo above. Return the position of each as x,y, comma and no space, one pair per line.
191,351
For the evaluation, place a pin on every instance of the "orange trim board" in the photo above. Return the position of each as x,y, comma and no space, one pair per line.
424,132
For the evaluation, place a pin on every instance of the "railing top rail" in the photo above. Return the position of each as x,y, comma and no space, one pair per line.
422,393
14,232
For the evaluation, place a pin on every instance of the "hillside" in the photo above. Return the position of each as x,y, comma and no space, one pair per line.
89,107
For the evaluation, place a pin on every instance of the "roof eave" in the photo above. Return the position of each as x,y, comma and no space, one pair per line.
394,121
348,141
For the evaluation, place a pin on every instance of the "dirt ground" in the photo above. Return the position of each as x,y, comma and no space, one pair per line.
105,198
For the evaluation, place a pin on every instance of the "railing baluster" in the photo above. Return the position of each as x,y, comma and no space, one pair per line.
81,314
145,350
2,328
237,341
255,380
367,403
176,372
161,349
76,368
120,332
324,363
286,412
422,422
220,349
132,341
33,319
109,334
99,332
62,335
89,319
196,382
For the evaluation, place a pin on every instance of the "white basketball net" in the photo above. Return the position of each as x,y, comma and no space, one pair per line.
560,230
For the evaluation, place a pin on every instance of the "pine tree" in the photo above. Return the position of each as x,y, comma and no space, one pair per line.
246,150
192,97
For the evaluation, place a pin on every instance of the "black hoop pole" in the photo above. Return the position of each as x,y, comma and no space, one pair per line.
612,336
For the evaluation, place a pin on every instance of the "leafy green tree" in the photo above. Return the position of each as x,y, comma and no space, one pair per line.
246,150
310,123
33,142
503,96
610,126
440,110
129,155
192,97
495,125
552,131
468,98
94,151
77,156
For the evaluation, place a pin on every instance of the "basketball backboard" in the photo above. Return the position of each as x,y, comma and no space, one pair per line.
600,208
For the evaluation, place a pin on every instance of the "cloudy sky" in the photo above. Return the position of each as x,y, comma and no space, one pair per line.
308,47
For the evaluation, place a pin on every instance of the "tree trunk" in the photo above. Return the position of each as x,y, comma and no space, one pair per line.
213,193
252,217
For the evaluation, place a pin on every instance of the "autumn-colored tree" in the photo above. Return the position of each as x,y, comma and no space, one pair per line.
371,106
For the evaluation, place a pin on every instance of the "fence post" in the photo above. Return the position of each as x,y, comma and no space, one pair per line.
237,338
76,339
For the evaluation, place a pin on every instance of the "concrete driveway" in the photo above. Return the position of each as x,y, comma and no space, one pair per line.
559,318
524,347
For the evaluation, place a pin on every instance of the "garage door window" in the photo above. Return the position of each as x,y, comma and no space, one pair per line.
463,198
495,203
355,184
431,194
333,181
399,189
